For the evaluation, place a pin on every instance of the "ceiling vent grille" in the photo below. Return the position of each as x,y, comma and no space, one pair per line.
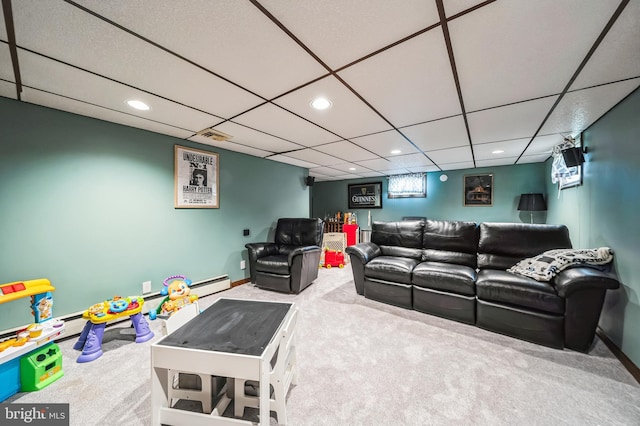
216,135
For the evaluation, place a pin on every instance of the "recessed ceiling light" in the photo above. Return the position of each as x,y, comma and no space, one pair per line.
321,103
396,151
138,105
352,168
497,151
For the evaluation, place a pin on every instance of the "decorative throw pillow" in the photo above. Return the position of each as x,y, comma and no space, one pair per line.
545,266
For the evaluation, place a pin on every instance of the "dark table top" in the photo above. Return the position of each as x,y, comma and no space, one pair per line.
231,325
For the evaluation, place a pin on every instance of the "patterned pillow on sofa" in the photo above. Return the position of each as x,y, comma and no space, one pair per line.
545,266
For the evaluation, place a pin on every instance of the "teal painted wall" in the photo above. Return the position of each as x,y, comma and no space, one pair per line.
604,212
89,205
444,199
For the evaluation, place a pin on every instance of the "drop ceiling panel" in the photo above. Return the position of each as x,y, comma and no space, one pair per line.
346,151
6,65
543,145
278,122
70,105
457,165
578,110
65,32
313,156
509,122
339,32
376,164
249,137
348,117
8,90
55,77
422,87
496,162
452,7
423,169
620,47
230,146
447,133
385,142
538,158
324,171
370,174
485,151
349,168
510,51
410,160
192,28
293,161
451,155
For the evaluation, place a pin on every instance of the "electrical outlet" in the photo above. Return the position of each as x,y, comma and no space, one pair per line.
146,287
243,264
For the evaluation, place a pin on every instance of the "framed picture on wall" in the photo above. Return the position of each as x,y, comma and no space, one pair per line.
365,195
478,190
195,179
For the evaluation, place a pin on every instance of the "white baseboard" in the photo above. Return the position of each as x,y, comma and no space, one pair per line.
74,323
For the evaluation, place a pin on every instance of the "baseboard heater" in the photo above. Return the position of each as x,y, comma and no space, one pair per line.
74,323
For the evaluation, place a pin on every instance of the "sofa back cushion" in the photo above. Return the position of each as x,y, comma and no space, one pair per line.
398,238
299,232
502,245
450,242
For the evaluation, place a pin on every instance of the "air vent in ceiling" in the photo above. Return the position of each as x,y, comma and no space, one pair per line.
216,135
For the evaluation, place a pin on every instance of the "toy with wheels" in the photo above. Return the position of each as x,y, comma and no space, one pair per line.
333,258
178,293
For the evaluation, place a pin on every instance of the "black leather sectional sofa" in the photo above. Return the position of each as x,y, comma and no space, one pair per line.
458,270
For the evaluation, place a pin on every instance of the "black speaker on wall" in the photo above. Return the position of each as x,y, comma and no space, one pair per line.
572,157
309,180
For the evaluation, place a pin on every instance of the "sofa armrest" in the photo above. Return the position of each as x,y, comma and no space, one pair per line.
364,251
301,251
580,278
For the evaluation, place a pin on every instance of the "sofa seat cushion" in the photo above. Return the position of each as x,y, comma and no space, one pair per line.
391,268
516,290
276,264
448,277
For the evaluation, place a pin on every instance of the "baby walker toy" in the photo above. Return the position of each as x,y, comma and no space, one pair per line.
178,293
98,315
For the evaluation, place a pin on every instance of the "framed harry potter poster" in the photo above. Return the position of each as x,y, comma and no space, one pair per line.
196,178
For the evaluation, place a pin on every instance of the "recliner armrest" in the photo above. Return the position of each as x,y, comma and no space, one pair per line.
578,278
261,249
301,250
364,251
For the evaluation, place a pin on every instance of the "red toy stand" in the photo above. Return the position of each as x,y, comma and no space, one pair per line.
352,233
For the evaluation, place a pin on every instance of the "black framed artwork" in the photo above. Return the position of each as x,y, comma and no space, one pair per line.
478,190
365,195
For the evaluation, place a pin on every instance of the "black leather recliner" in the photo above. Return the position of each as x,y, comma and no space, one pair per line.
290,263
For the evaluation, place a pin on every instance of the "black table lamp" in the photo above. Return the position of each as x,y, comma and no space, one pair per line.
532,203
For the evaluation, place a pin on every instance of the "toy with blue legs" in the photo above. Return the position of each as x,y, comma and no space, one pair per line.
98,315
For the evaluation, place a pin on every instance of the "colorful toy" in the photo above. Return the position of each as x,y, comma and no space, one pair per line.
178,293
41,368
98,315
333,258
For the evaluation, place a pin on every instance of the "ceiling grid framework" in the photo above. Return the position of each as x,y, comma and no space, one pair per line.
416,86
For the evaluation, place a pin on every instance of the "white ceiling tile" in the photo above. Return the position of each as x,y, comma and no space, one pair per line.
60,30
453,7
385,142
543,145
3,29
340,31
325,171
447,133
510,51
256,55
231,146
313,156
578,110
6,65
422,87
346,151
253,138
457,166
620,47
55,77
8,90
51,100
497,162
451,155
537,158
278,122
293,161
410,160
423,169
511,148
348,117
515,121
348,176
377,164
370,174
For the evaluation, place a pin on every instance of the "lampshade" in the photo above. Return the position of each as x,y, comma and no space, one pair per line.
532,202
